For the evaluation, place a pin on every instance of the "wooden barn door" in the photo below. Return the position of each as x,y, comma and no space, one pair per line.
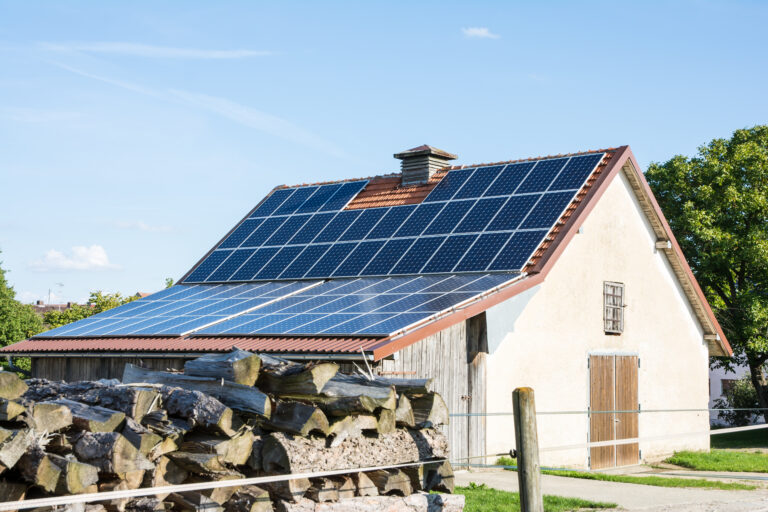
612,387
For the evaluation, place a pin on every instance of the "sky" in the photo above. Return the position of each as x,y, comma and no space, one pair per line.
134,135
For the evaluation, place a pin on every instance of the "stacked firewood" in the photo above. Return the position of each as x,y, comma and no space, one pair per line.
228,416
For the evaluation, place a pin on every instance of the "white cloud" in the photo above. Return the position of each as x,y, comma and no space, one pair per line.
142,226
79,258
479,33
151,51
259,120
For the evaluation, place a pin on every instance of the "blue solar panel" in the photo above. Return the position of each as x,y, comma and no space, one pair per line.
287,230
363,224
240,233
342,196
230,265
310,230
505,199
419,220
541,176
296,199
337,226
391,221
484,250
273,202
519,249
449,185
476,185
358,259
179,309
417,255
509,179
318,199
576,172
450,253
264,231
449,217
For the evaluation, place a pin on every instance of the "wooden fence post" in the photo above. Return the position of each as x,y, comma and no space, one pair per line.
528,469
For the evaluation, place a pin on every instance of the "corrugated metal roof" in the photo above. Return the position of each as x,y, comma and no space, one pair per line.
194,344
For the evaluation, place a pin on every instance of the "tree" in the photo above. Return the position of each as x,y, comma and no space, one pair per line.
97,303
17,321
717,205
169,282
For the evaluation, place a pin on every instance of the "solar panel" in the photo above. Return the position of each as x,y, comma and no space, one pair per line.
515,202
362,306
178,309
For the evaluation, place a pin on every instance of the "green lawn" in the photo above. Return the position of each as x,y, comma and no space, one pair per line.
747,439
721,460
657,481
483,499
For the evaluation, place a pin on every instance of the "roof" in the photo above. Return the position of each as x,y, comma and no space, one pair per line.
258,313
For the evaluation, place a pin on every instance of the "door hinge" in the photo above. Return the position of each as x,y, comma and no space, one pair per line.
465,397
638,362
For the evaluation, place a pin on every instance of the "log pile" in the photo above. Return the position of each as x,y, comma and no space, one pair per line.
228,416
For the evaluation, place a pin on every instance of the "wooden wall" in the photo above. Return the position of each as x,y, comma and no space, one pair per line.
94,368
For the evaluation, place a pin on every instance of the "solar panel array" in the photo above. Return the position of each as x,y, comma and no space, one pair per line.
479,219
362,306
179,309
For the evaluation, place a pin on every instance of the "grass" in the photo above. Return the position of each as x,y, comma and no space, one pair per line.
480,498
721,460
657,481
747,439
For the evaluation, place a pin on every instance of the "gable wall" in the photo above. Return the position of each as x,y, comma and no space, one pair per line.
542,337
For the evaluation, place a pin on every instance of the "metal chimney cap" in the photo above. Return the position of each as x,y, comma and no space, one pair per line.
425,150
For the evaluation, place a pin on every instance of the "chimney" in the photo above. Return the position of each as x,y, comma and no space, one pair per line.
418,164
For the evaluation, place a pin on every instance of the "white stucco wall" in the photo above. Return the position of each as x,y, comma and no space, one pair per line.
542,338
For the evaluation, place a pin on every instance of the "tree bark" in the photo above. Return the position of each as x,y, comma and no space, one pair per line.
111,452
10,409
165,473
13,444
93,418
391,482
200,409
429,410
757,378
249,499
280,376
237,366
235,450
297,418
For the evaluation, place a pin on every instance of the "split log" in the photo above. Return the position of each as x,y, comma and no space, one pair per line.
219,494
404,413
145,504
11,386
194,501
280,376
364,486
9,409
76,477
118,505
293,454
346,487
386,423
237,366
439,477
290,490
351,427
201,463
345,394
298,418
201,409
12,491
160,423
235,450
59,444
51,417
140,437
166,472
13,444
429,410
111,452
249,499
133,401
37,468
167,445
409,386
391,482
92,418
323,490
254,461
237,396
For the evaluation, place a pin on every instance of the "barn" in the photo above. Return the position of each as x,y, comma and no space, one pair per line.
559,273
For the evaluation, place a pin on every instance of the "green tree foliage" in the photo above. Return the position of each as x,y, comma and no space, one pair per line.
17,321
97,303
169,282
741,395
717,205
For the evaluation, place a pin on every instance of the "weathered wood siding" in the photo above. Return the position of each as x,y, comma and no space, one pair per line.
94,368
455,359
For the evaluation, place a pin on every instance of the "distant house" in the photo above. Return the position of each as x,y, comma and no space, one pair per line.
559,273
721,381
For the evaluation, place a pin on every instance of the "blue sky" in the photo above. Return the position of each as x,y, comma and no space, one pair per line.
133,135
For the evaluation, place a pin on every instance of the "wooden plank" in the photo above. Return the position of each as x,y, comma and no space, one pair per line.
601,398
627,399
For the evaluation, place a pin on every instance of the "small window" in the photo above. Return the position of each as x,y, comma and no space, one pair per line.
613,307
